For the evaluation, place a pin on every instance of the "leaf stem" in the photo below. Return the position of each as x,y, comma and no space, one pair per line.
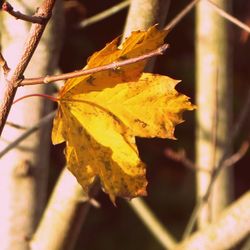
54,99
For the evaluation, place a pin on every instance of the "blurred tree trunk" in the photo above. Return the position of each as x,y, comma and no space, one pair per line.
143,14
214,100
24,170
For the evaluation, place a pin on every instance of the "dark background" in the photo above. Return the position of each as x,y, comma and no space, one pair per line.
171,185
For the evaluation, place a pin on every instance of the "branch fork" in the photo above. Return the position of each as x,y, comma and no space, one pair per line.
10,85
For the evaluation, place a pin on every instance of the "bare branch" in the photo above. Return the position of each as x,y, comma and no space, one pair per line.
114,65
28,132
11,81
237,156
180,156
107,13
221,12
17,126
244,114
229,17
18,15
181,15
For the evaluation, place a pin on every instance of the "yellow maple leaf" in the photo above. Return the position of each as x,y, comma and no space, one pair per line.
99,118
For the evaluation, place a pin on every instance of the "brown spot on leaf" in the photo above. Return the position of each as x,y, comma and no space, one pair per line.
142,123
90,80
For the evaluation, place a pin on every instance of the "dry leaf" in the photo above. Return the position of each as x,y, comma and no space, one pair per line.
99,116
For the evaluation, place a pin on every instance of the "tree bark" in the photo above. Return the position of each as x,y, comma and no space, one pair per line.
24,170
214,101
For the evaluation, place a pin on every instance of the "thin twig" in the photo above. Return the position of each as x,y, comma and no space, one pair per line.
229,17
28,132
214,129
10,83
237,156
4,65
181,15
207,206
244,114
180,156
17,126
221,12
18,15
106,13
113,65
